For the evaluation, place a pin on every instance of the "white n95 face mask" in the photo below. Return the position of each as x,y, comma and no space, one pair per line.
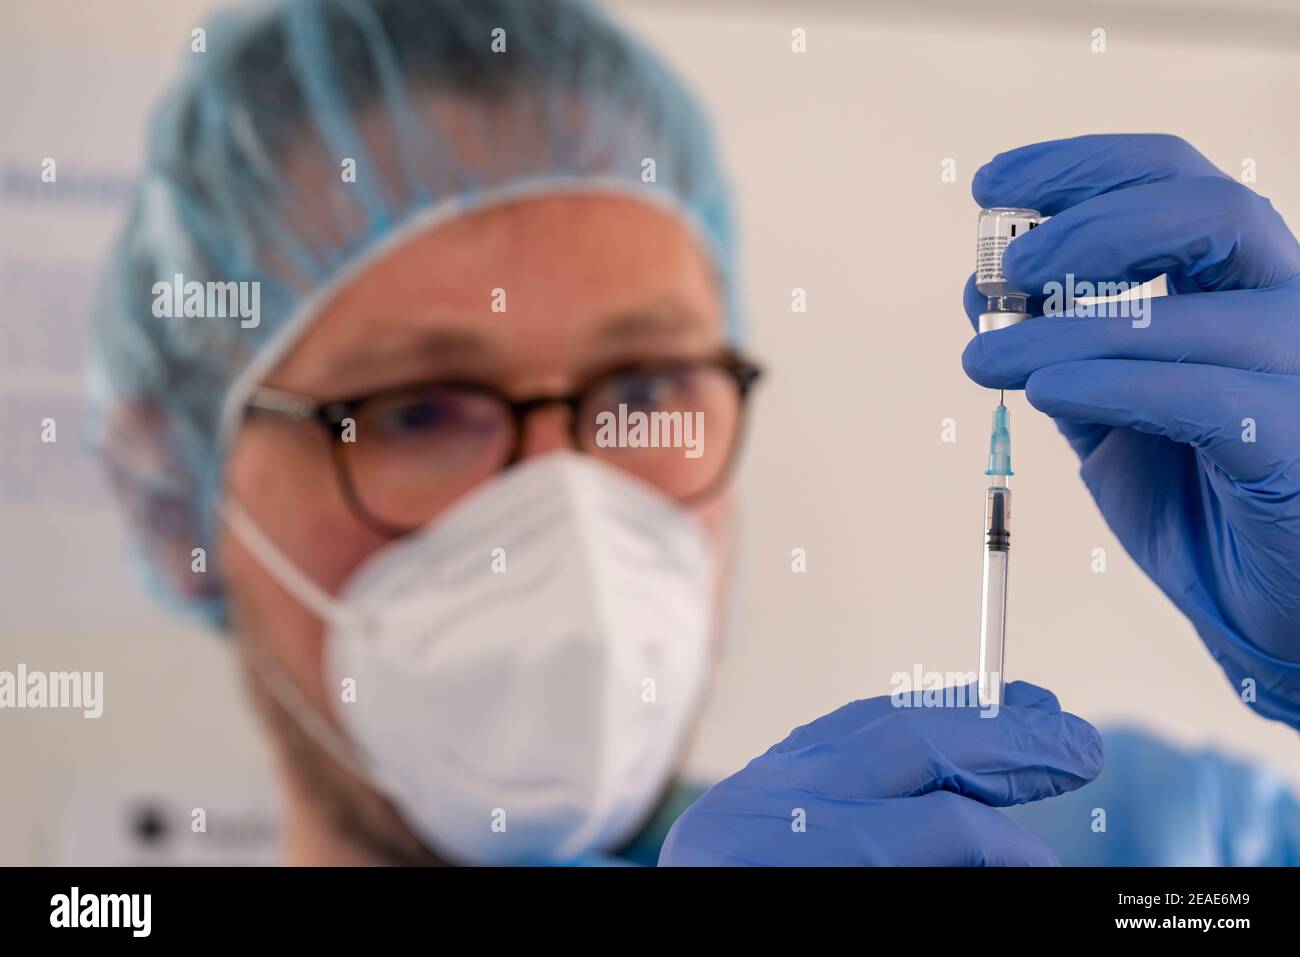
526,668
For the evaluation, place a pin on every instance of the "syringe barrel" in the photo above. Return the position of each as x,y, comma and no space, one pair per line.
993,610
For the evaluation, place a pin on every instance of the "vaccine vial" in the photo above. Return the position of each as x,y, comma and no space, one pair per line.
998,228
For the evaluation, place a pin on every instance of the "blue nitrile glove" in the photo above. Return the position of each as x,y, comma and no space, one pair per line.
879,783
1187,421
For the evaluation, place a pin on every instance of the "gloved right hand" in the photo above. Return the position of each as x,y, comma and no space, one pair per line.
878,783
1187,420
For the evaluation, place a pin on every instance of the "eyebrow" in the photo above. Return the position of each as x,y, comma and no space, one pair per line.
451,346
640,324
442,344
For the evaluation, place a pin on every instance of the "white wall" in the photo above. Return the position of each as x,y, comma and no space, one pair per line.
836,154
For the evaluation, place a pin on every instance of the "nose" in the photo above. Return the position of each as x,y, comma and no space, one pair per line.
546,429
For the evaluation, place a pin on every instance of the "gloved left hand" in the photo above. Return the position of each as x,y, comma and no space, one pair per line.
880,783
1187,421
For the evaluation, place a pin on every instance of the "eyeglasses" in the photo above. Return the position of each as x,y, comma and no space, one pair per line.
401,455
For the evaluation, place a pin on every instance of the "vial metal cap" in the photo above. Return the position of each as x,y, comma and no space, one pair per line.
1000,320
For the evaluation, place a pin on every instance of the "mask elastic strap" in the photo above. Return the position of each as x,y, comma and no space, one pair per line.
312,597
289,696
304,714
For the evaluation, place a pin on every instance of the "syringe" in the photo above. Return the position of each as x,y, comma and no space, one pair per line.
1007,306
997,549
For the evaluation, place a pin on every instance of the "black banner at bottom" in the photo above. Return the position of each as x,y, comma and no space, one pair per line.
240,905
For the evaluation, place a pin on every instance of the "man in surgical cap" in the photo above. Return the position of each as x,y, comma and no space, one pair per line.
475,231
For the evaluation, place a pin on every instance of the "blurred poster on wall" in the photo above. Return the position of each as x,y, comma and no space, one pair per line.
163,819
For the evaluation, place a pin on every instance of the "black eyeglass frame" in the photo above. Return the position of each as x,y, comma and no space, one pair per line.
332,415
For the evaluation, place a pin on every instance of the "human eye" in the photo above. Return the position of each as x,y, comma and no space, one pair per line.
435,412
649,389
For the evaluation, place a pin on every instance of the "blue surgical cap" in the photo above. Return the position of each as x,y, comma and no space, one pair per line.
304,138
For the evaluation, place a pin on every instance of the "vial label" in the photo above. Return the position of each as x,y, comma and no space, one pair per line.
995,234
